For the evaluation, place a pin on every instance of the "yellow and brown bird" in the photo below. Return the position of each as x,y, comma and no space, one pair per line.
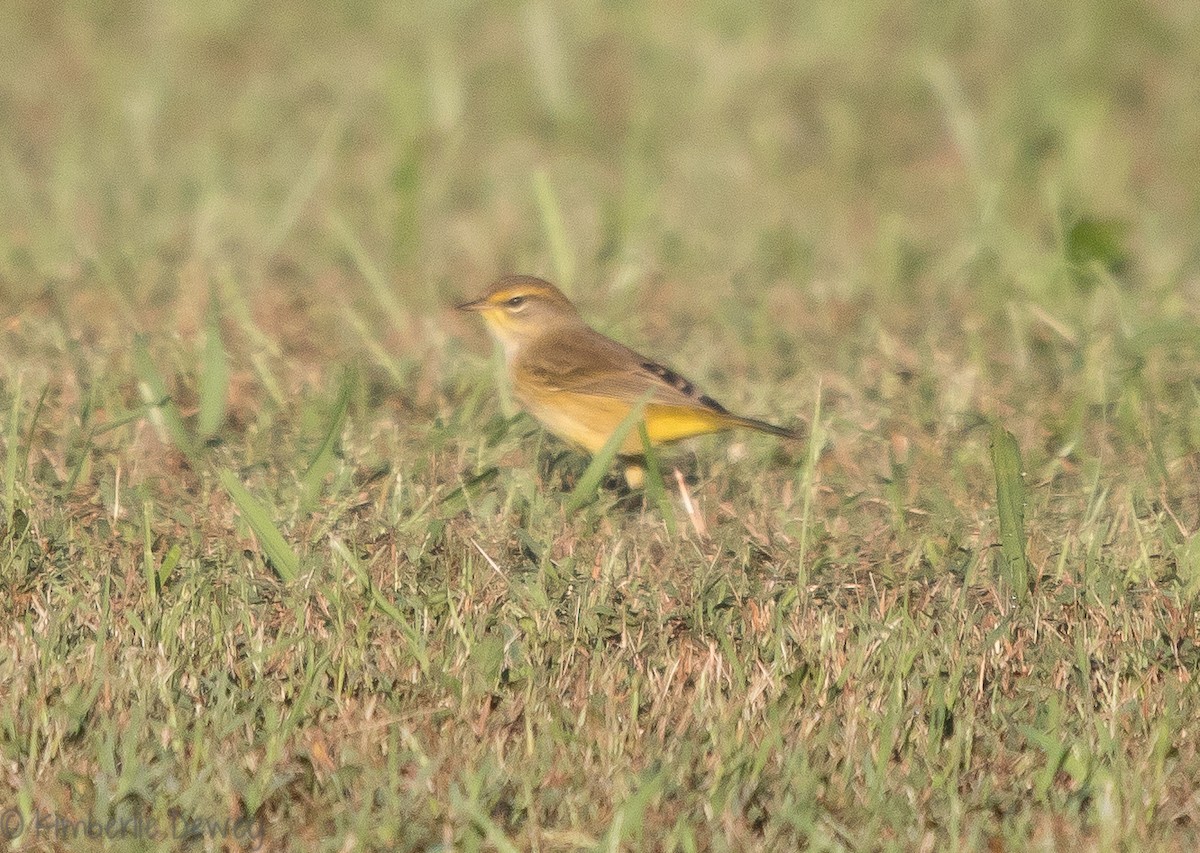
580,384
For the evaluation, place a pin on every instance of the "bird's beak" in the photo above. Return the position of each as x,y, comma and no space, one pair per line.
476,305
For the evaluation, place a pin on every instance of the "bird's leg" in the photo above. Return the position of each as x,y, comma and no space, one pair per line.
635,475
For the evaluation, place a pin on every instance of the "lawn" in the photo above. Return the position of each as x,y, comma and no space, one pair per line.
283,567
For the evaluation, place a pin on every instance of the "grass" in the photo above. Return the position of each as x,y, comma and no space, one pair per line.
280,566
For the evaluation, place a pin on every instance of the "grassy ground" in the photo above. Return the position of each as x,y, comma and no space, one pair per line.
274,549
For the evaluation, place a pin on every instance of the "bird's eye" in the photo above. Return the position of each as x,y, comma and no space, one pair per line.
516,302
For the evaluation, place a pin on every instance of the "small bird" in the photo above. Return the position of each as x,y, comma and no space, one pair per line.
580,384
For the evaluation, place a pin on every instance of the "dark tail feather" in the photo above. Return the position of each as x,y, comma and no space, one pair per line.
769,429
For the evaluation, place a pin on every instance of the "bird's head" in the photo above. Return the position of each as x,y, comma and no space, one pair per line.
519,308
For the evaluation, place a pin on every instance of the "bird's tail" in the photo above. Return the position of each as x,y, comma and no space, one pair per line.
763,426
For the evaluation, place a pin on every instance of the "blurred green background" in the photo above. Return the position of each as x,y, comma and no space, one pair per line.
840,148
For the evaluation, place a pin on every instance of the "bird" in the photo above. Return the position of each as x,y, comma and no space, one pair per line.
580,384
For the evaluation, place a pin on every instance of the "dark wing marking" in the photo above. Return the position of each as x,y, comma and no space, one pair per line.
683,386
586,362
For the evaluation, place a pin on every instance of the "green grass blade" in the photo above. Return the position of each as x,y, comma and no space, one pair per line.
29,430
487,827
84,450
415,645
379,284
628,822
263,349
589,483
283,558
383,358
11,454
656,492
508,405
556,231
1010,508
213,388
319,464
154,393
808,488
120,419
315,668
168,564
460,498
148,566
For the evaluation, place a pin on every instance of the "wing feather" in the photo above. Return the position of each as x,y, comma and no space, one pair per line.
586,362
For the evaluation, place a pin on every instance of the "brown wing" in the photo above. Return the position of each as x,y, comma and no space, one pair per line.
586,362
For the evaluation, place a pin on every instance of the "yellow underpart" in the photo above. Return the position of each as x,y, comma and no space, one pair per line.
588,421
